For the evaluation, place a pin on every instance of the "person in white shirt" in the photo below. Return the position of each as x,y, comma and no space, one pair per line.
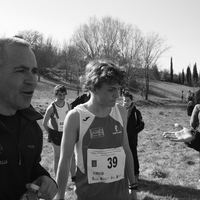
53,123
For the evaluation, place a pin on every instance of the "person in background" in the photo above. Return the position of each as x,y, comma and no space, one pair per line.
191,103
80,100
182,96
191,137
135,124
195,117
53,123
190,96
97,129
21,138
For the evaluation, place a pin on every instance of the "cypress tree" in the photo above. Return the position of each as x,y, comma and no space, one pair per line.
171,70
189,76
195,74
183,77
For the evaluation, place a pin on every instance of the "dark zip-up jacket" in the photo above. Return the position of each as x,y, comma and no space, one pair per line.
195,144
135,124
20,159
194,123
80,100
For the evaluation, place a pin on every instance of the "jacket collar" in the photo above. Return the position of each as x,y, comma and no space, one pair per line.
30,113
132,106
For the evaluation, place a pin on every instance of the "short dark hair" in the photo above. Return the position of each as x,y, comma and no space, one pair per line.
103,71
128,94
4,41
60,88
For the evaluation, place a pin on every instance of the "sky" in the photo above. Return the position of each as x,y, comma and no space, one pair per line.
177,21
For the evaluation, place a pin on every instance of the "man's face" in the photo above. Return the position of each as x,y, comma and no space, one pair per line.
108,94
61,95
127,102
17,79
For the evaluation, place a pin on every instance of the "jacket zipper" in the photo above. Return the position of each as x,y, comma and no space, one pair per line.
20,156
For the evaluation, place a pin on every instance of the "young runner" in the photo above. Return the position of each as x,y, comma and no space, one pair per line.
53,123
97,129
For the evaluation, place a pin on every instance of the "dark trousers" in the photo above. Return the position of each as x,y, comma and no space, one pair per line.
135,159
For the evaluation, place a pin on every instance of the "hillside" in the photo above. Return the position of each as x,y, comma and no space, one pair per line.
161,93
170,91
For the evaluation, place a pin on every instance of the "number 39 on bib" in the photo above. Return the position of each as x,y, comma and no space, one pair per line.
105,165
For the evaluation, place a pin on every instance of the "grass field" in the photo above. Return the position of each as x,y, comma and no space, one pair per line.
168,171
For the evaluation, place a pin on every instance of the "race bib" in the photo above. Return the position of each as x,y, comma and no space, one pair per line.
105,165
60,125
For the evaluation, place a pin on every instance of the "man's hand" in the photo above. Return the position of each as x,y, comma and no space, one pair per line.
48,187
183,135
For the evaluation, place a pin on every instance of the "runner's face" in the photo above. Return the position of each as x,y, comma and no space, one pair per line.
61,96
108,94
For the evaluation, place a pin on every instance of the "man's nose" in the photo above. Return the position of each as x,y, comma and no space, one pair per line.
31,78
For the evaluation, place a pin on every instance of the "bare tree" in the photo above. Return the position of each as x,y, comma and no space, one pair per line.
109,38
109,33
103,38
152,49
86,38
36,39
33,37
47,55
130,43
45,50
125,44
72,61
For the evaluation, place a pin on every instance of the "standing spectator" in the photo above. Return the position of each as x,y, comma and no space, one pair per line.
81,99
195,117
21,138
135,125
105,167
193,101
182,96
53,124
190,96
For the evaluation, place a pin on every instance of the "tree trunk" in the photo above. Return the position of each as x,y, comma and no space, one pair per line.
147,89
146,82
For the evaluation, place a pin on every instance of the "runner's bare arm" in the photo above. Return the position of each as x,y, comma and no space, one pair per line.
47,116
183,135
70,135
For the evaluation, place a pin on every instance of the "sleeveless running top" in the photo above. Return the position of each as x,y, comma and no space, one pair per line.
62,112
101,157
